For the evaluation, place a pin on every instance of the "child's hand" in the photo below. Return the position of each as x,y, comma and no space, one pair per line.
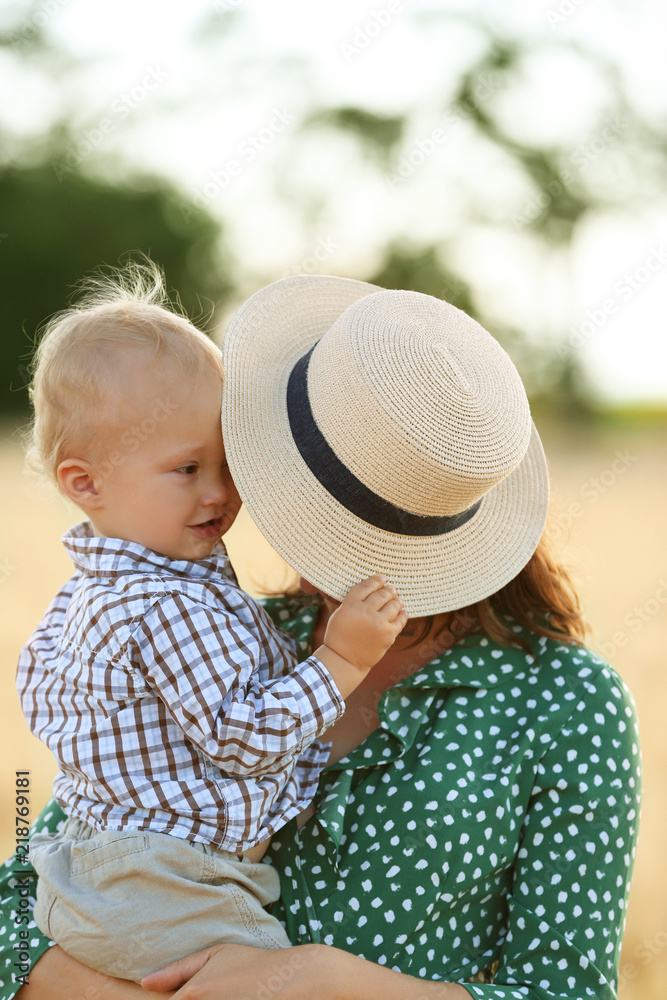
366,624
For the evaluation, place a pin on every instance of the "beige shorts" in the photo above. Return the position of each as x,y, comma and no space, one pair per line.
128,903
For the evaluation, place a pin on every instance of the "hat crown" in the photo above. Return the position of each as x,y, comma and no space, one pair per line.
296,347
420,403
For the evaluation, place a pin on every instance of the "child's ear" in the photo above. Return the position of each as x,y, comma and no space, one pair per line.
80,483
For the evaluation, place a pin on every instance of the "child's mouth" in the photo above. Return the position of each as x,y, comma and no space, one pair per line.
209,529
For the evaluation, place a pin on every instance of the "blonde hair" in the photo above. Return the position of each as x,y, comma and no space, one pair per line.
75,368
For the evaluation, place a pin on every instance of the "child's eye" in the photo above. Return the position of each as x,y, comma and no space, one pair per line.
188,470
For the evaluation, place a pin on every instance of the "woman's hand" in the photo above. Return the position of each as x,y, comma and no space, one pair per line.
236,972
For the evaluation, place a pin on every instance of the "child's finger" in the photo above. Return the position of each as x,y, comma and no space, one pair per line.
377,599
400,621
392,610
362,590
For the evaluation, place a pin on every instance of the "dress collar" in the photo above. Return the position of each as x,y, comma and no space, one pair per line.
474,661
109,557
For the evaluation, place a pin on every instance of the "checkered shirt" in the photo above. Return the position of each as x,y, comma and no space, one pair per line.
170,699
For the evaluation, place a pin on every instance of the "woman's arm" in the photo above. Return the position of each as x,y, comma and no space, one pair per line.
57,976
235,972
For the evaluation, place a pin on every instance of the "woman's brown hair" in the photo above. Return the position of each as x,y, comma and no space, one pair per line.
541,598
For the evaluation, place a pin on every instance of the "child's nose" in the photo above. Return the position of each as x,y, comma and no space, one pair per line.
217,490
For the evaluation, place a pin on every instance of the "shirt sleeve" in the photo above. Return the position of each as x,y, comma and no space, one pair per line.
204,665
566,911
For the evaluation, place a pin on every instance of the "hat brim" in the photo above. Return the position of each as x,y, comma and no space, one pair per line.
327,544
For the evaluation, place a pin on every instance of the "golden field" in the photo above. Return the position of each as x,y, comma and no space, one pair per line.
609,503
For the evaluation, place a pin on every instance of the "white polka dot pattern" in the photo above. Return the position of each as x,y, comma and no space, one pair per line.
486,830
484,834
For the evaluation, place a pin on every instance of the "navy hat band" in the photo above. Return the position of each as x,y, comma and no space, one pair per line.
340,482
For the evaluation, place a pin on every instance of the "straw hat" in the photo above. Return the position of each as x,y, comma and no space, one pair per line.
382,431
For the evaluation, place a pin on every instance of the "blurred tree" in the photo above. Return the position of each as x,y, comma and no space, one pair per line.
380,133
565,193
58,226
58,223
421,269
548,191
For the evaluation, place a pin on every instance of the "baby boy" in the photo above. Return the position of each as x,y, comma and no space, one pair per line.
185,731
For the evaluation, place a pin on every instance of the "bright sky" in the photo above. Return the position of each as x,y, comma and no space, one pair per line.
148,96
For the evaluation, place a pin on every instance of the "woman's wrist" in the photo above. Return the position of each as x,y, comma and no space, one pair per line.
347,977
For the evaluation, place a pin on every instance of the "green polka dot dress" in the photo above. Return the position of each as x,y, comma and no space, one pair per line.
484,834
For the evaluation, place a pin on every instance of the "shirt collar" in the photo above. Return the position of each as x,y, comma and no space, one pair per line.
97,556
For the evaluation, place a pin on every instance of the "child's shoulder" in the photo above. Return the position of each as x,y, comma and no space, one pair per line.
144,588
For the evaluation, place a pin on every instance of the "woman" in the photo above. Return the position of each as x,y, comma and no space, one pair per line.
475,830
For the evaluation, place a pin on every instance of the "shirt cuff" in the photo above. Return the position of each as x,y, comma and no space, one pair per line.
330,704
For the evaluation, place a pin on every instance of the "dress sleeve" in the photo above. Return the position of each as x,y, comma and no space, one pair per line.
567,907
21,941
204,665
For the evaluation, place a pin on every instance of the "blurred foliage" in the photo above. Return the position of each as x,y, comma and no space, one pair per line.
422,270
381,134
58,226
555,187
58,223
563,198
